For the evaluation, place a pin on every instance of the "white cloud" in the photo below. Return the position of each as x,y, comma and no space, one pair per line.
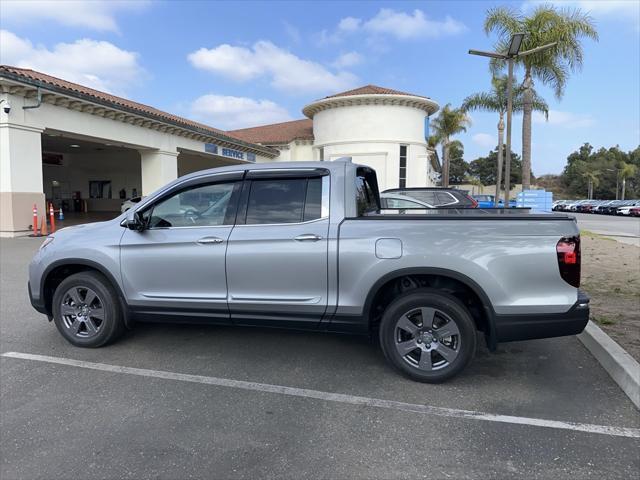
230,113
566,119
97,64
349,59
389,22
286,71
408,26
95,14
485,140
349,24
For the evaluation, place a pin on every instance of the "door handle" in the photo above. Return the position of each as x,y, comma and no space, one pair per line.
209,240
308,237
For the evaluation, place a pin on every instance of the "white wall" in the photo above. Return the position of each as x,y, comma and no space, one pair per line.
372,135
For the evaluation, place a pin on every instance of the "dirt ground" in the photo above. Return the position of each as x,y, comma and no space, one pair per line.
611,276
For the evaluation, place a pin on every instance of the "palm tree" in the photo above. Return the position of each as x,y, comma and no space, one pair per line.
626,170
449,122
496,101
546,24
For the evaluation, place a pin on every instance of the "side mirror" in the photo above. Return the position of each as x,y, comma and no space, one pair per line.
134,222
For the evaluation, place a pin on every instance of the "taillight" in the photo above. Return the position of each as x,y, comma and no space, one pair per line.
568,251
474,202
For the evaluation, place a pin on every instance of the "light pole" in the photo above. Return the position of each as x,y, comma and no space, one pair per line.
512,54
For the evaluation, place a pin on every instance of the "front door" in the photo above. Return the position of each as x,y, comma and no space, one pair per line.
176,266
277,252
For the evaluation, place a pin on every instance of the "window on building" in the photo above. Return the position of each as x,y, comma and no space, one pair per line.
322,154
285,200
100,189
403,166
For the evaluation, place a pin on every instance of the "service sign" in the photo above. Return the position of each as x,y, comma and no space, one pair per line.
229,152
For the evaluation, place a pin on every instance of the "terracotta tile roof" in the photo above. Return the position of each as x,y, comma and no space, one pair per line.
74,89
277,133
372,90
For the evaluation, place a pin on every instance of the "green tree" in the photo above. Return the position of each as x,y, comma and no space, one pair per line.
546,24
608,165
458,168
449,122
626,170
484,169
496,101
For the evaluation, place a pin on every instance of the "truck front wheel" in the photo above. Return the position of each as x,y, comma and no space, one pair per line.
86,310
428,335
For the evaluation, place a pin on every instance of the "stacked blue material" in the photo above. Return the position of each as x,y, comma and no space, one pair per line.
536,200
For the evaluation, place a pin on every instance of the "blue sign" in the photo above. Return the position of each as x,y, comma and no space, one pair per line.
211,148
229,152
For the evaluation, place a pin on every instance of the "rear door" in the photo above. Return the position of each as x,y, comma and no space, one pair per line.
277,252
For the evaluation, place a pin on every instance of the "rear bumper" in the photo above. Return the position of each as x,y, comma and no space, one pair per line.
37,304
510,328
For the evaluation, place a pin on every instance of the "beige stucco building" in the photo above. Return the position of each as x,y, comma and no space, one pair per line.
87,150
379,127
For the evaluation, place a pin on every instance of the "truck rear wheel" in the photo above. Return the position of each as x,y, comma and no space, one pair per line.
428,335
86,310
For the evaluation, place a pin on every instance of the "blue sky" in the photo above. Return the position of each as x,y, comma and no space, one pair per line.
240,64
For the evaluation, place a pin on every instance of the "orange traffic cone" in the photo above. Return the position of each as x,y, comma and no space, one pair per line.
44,231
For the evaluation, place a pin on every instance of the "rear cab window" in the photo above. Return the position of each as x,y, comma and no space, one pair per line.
367,196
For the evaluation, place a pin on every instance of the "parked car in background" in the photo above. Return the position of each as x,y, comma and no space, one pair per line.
612,207
439,197
625,209
127,204
634,212
485,201
396,201
599,209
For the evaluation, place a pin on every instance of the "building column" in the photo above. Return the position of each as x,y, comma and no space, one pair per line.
158,168
20,178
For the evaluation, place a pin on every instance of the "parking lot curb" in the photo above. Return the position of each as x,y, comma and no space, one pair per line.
622,367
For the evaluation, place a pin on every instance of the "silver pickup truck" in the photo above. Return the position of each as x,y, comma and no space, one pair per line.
306,246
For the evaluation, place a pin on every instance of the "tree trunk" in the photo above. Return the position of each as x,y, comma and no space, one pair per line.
445,162
624,187
527,110
500,152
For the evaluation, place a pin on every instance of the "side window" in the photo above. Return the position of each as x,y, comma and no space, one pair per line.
425,195
366,193
445,198
201,206
398,203
286,200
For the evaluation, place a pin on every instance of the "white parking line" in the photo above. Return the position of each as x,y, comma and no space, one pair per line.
334,397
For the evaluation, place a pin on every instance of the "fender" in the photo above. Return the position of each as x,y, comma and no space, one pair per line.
490,336
96,266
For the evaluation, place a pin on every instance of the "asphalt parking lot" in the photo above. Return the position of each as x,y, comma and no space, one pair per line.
258,403
623,229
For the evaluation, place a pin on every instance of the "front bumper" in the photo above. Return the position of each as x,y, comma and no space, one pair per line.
37,304
510,328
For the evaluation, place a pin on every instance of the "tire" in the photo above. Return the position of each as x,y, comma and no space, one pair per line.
435,356
86,310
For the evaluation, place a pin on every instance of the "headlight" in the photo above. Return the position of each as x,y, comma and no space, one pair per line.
46,242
